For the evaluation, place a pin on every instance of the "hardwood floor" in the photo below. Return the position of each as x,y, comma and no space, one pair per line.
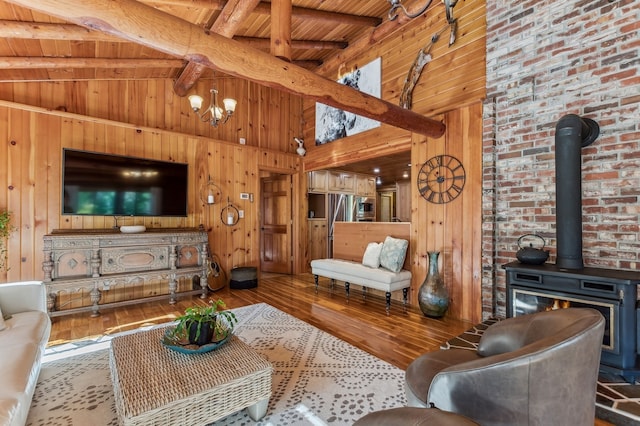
397,338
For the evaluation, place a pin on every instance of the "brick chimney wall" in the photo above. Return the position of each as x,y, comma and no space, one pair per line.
546,59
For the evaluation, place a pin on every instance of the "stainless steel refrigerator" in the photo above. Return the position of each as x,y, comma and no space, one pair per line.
342,208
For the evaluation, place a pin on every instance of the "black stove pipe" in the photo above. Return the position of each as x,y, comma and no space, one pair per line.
572,134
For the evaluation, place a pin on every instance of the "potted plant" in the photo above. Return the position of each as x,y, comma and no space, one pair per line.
205,324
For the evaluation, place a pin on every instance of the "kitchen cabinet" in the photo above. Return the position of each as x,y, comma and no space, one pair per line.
342,182
317,181
318,237
403,201
365,186
317,206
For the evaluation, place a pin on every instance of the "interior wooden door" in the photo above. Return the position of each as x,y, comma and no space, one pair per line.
276,218
385,207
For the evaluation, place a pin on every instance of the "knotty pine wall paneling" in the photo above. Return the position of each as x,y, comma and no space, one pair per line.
453,228
451,87
454,77
30,178
266,118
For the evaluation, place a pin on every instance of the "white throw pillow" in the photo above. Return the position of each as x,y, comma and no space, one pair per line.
393,252
371,256
2,324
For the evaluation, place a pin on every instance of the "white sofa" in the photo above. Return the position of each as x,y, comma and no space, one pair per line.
356,273
22,344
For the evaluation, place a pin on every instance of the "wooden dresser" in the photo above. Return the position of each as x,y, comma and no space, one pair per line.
88,269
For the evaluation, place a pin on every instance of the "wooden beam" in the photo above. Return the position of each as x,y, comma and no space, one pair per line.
39,62
264,8
330,17
281,29
264,43
374,143
227,23
72,32
49,31
308,64
148,26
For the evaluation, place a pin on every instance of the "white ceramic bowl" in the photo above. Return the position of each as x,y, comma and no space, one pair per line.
133,229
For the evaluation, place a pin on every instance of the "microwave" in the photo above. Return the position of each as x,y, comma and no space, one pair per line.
366,206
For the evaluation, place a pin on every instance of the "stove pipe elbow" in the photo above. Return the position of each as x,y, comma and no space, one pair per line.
572,133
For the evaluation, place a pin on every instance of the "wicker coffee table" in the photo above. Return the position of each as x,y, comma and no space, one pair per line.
153,384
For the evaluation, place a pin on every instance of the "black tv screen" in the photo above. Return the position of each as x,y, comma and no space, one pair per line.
113,185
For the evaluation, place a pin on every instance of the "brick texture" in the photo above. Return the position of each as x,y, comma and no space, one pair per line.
546,59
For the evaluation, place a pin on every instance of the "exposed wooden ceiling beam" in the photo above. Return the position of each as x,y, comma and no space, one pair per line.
308,64
281,29
264,8
263,43
49,31
226,25
39,62
69,32
146,25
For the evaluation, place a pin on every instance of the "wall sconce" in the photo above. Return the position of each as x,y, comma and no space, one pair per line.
217,114
300,150
210,193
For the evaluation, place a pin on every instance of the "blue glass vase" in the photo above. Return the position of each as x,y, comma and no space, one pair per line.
433,296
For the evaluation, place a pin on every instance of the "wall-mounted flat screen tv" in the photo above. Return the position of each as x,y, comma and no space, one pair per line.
112,185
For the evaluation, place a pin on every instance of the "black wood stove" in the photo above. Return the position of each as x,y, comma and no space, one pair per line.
534,288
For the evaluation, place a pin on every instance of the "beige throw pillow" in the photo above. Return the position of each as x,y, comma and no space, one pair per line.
371,256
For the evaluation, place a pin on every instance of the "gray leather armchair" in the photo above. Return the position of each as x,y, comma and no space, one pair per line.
537,369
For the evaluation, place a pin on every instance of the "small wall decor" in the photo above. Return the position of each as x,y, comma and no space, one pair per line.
300,150
441,179
229,215
333,123
421,61
210,193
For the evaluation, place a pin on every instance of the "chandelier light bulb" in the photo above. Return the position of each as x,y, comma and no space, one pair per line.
229,105
196,102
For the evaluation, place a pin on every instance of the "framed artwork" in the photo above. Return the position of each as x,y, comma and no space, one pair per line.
333,123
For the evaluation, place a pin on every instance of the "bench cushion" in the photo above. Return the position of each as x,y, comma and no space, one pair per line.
357,273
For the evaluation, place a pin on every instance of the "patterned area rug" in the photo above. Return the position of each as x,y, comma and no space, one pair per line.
317,380
617,401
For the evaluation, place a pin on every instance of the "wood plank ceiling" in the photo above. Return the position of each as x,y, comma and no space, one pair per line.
35,46
39,47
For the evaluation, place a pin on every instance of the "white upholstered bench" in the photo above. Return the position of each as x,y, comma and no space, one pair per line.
356,261
352,272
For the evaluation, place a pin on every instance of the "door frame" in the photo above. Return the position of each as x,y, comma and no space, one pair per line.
298,224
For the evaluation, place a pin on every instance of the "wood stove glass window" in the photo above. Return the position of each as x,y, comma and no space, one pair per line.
529,302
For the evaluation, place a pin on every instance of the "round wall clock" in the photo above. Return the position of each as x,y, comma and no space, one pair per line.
441,179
